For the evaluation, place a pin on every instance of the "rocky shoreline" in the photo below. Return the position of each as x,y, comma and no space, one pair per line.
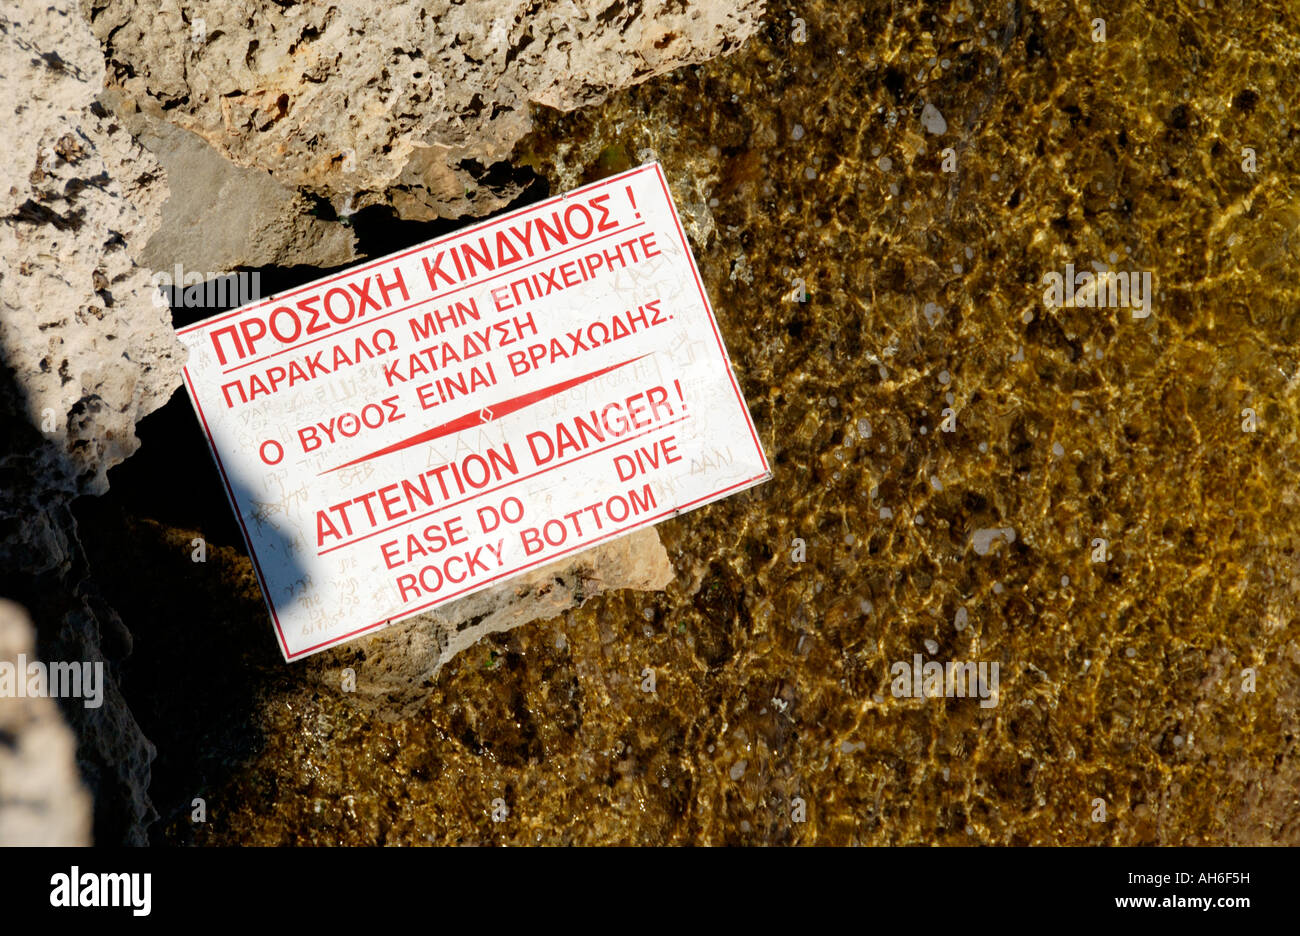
1100,505
145,141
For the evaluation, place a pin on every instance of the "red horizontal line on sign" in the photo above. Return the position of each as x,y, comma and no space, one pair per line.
470,420
442,295
454,235
501,487
407,612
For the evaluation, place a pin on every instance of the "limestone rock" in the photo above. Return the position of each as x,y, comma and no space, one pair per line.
42,800
394,666
220,216
87,346
86,354
415,103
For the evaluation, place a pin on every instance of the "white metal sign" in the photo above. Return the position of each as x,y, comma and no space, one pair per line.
426,425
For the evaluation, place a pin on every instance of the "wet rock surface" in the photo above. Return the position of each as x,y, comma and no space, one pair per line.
392,670
1159,678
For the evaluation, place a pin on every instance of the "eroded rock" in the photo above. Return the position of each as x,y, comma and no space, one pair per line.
220,216
86,354
984,540
416,103
88,350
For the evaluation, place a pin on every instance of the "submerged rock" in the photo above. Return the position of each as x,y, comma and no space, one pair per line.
933,121
394,667
983,540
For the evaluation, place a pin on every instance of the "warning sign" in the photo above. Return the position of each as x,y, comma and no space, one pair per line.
426,425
